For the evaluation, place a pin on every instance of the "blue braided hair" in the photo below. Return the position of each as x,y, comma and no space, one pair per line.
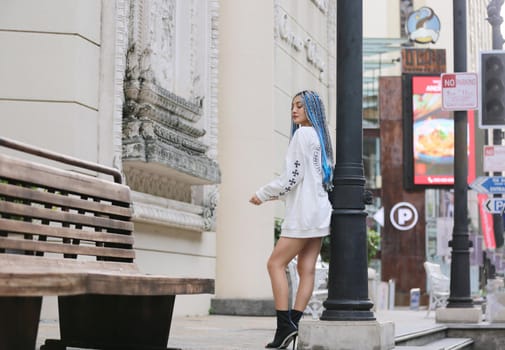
314,108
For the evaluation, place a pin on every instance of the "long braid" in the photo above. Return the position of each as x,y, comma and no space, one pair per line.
314,109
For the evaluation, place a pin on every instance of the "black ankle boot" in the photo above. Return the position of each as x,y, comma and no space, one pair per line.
296,317
286,331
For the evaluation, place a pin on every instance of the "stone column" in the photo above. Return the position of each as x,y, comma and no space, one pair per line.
245,233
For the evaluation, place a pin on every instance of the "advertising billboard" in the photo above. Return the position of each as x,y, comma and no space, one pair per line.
429,135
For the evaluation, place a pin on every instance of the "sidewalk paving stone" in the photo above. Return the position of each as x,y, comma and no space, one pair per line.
215,332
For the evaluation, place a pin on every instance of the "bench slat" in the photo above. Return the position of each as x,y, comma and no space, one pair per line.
17,263
31,276
143,284
63,201
41,284
50,177
63,216
72,283
48,247
23,227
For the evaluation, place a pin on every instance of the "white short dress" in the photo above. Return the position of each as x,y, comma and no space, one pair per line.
308,209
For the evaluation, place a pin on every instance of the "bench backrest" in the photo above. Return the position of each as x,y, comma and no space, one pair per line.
438,282
47,211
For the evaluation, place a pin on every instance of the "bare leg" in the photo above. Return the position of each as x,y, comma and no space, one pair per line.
285,250
306,266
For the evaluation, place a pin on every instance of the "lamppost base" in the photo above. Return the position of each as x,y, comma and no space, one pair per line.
340,335
347,315
458,315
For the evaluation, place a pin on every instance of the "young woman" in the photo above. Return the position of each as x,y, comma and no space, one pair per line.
303,185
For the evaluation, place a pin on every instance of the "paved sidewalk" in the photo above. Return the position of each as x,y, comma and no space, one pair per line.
248,333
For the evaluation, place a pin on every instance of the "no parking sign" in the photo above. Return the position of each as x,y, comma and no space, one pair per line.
459,91
403,216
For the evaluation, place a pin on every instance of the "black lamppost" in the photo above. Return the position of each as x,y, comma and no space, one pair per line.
348,278
460,254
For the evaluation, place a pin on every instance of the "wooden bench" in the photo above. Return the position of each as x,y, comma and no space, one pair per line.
69,234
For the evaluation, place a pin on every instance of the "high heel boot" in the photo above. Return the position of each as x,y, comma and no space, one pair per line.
286,331
296,317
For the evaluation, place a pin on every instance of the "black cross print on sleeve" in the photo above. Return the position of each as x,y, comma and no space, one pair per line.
293,180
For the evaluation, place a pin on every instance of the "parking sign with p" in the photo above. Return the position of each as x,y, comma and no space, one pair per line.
403,216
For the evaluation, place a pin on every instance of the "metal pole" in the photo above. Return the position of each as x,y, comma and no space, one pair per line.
460,254
348,276
495,19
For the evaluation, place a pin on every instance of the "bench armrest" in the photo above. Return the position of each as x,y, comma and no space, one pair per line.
23,147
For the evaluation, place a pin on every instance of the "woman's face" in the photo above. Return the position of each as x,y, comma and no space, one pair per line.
298,112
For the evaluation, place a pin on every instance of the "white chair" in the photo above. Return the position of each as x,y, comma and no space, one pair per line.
320,292
438,286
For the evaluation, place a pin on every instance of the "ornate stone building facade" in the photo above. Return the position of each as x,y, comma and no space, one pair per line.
170,113
169,135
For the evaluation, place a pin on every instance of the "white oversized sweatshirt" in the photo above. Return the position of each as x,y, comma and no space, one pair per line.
308,209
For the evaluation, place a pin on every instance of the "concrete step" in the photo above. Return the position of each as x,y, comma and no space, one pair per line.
441,344
422,337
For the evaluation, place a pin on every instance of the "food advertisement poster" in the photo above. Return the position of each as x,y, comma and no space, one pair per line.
433,135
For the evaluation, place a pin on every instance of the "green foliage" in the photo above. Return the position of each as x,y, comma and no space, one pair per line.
373,240
325,249
277,228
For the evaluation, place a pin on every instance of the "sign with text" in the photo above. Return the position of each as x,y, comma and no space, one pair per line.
495,205
433,134
489,184
429,135
459,91
417,60
494,158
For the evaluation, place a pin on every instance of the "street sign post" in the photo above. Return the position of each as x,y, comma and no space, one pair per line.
489,184
495,205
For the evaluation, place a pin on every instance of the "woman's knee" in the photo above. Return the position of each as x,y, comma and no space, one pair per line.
306,270
274,265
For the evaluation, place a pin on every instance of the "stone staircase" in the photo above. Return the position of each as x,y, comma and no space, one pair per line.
432,339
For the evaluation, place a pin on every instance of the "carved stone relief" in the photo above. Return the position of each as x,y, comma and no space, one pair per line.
162,41
166,147
157,184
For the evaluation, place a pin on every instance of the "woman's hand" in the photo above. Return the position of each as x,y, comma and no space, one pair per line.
255,200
